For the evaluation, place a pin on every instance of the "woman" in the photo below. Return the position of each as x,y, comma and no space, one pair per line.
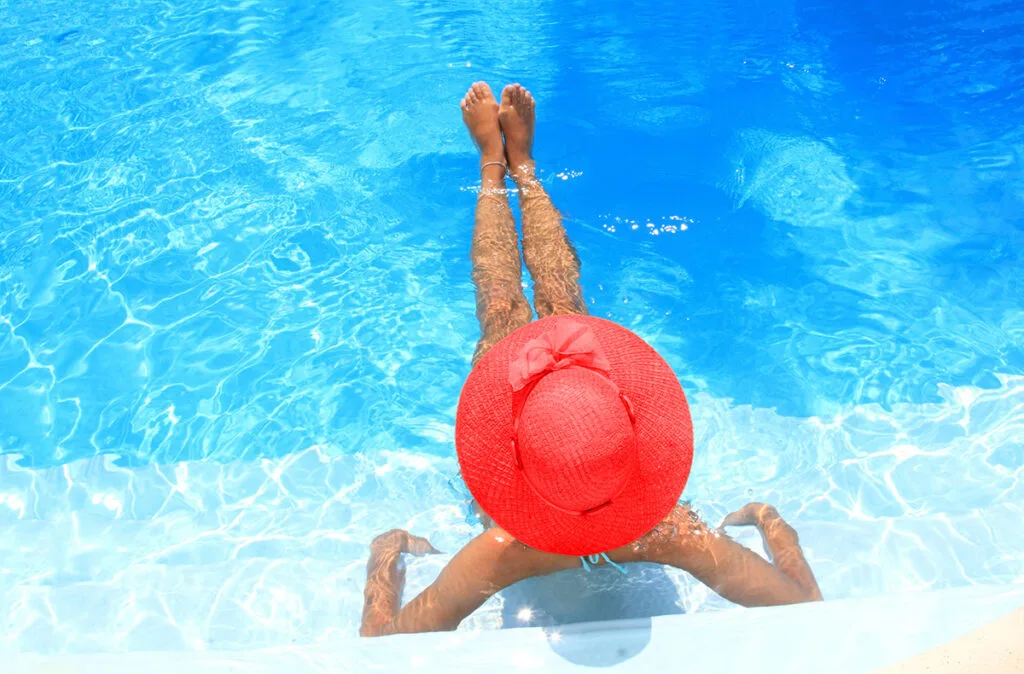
573,434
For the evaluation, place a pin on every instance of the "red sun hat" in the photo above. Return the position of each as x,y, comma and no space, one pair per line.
574,435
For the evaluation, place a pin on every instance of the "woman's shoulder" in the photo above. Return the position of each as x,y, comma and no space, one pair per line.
682,527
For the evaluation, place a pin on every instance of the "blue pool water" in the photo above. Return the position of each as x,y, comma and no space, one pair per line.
235,306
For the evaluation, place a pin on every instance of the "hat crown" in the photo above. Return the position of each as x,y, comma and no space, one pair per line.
575,439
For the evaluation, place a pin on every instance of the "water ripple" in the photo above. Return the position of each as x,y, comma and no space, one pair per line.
243,554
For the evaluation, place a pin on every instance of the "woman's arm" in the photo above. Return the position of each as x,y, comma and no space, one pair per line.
489,563
731,570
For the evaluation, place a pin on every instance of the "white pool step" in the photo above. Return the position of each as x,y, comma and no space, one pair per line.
851,636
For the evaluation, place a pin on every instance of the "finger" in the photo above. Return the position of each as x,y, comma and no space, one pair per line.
388,540
419,546
749,514
740,518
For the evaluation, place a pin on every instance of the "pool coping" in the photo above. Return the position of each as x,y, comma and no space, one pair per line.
852,635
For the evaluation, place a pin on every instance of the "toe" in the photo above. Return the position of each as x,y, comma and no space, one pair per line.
482,91
506,95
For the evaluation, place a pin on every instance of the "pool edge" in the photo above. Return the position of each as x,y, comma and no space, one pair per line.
853,635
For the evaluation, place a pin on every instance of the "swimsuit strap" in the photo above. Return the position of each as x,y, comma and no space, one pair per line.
594,559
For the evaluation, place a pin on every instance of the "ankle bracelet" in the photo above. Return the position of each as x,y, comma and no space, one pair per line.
495,163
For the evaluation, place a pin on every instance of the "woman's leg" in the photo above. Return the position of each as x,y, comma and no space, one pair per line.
550,256
501,306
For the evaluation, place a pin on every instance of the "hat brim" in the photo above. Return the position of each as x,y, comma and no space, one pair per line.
664,441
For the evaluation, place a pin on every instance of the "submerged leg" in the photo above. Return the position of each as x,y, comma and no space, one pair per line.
501,306
550,256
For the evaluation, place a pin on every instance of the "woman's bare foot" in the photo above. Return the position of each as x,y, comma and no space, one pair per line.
517,117
480,113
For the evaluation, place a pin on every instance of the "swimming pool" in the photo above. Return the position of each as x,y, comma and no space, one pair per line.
236,313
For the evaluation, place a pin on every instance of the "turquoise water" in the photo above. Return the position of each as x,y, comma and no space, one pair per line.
235,307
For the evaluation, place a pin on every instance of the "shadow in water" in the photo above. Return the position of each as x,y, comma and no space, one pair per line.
604,644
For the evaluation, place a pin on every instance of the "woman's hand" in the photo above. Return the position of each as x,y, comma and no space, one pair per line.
385,578
400,540
765,517
781,543
751,514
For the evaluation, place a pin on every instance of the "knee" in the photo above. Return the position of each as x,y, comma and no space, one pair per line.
511,312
